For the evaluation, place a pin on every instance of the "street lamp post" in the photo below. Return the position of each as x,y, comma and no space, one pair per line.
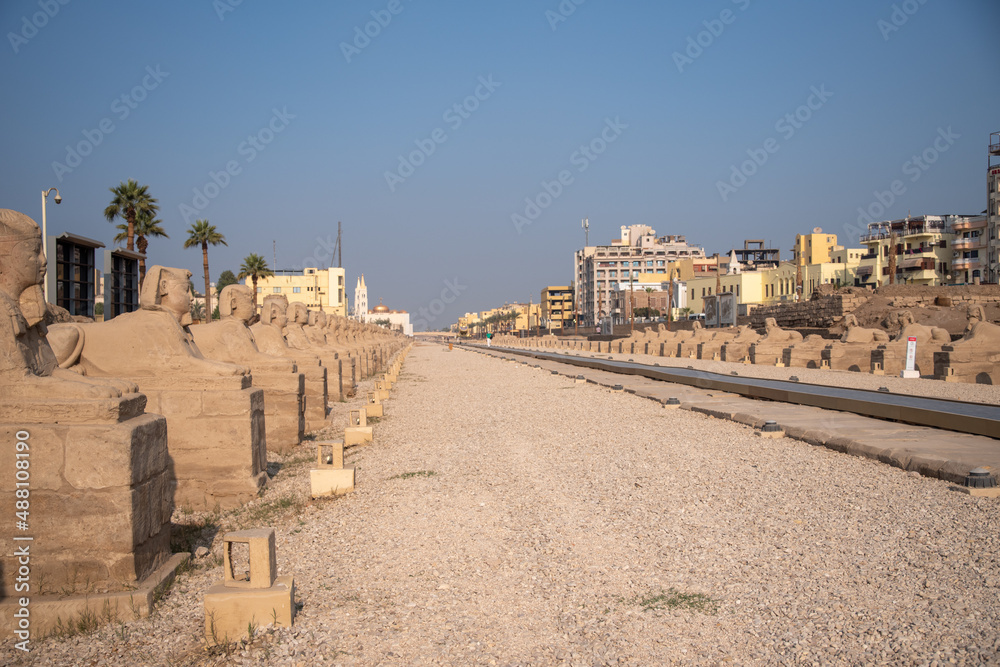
45,230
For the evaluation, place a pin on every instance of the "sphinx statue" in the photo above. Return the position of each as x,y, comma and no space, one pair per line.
890,358
853,351
975,358
229,339
98,461
769,350
268,334
314,330
201,398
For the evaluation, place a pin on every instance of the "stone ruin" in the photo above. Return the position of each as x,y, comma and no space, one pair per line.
974,358
113,425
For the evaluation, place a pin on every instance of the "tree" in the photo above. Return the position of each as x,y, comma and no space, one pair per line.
197,310
130,199
254,267
146,225
203,234
226,278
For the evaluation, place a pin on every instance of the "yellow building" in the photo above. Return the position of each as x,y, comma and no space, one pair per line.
316,288
771,286
815,248
557,306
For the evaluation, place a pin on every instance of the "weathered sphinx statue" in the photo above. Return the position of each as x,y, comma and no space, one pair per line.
229,339
269,336
96,463
216,433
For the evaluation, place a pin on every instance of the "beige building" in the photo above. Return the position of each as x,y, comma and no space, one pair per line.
992,230
929,249
557,307
316,288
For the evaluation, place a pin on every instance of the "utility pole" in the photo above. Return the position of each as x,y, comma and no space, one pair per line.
340,248
274,254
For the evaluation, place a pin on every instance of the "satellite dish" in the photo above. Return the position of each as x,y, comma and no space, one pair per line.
817,230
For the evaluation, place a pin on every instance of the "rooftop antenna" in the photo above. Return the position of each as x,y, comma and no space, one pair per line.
274,253
586,231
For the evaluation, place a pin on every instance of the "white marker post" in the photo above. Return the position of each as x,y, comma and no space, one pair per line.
911,358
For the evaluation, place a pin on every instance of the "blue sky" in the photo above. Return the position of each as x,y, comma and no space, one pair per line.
833,99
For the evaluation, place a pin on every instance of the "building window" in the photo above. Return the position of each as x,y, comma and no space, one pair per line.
75,284
259,290
124,286
296,290
276,290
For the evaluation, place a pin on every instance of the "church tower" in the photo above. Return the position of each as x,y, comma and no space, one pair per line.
361,300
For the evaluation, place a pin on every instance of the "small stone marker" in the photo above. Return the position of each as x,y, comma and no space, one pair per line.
330,477
255,597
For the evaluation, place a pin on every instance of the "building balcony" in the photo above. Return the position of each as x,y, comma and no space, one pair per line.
968,225
966,263
969,244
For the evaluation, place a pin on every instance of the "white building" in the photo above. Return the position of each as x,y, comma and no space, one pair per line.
597,269
397,320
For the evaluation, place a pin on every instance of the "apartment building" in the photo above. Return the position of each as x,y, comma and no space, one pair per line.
992,229
557,307
925,252
639,250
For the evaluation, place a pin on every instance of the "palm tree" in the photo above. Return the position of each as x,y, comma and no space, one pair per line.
146,225
130,200
197,310
201,233
254,267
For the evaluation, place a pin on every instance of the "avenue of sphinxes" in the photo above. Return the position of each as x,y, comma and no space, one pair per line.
215,416
116,424
99,471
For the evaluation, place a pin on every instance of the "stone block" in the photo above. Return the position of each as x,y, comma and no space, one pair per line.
230,612
262,566
357,435
331,481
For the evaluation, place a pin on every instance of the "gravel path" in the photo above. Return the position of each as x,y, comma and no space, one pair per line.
505,516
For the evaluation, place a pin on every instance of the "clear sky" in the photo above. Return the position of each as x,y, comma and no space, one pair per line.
649,111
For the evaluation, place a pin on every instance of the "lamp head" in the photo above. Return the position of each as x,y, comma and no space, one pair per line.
58,199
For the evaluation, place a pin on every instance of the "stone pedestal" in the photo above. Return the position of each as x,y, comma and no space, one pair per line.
98,499
252,598
330,477
216,437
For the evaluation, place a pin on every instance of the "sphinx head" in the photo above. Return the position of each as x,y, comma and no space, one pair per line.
168,289
298,313
22,263
236,302
275,310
